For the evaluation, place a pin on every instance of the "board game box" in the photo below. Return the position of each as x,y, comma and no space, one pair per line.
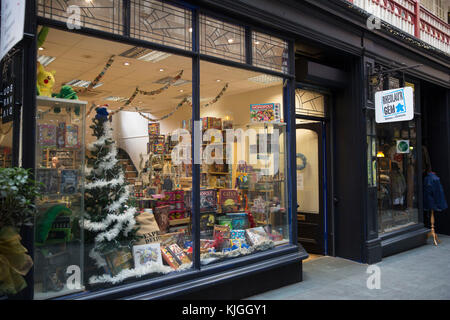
208,200
229,200
265,112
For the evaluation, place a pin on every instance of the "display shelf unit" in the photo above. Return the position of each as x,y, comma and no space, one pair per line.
59,240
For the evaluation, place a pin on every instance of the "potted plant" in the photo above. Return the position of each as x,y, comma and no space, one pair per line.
17,194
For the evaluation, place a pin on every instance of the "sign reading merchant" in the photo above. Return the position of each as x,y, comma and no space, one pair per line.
394,105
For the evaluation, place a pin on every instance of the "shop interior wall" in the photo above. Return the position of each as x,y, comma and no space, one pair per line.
308,178
436,137
131,128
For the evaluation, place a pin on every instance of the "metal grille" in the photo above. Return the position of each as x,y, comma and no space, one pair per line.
162,23
104,15
309,103
270,52
221,39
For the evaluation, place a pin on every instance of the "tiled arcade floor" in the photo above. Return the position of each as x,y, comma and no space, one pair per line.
420,273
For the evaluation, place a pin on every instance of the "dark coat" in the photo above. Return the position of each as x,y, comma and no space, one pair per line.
433,193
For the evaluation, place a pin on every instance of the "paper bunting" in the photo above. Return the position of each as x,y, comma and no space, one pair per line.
185,100
167,86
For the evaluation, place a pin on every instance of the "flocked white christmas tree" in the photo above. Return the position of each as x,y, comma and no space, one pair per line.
110,220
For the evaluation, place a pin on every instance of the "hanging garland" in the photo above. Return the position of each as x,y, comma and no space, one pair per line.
185,100
99,77
148,93
167,86
217,97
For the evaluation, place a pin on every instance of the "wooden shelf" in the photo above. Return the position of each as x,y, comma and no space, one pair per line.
223,173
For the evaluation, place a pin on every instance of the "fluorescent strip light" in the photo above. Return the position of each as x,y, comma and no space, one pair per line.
154,56
113,98
82,83
46,60
266,79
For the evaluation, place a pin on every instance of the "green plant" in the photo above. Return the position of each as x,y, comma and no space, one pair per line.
17,194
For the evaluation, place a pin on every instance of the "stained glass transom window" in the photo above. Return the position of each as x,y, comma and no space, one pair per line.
162,23
270,52
104,15
222,39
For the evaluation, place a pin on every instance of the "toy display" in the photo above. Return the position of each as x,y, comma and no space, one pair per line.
45,81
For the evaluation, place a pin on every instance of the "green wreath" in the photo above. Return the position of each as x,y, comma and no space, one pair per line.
303,164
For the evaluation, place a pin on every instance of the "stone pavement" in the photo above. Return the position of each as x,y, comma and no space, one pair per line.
420,273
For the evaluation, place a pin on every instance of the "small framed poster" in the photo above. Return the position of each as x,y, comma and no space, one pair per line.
147,253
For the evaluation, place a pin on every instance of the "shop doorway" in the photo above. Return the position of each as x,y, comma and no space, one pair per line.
311,150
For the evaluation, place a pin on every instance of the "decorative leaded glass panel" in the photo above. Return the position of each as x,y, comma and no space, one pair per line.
104,15
162,23
221,39
309,103
270,52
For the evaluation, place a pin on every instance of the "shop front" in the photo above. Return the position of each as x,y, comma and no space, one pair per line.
159,135
183,153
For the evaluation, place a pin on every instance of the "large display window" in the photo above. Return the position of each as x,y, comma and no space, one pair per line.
243,197
114,155
393,168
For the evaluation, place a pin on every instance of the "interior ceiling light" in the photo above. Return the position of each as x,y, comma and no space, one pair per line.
190,29
380,154
46,60
230,40
265,78
161,69
82,83
41,48
126,63
154,56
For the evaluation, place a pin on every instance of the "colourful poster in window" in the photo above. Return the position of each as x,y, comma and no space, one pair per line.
265,112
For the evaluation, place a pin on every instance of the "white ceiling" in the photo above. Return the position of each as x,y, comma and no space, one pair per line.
83,58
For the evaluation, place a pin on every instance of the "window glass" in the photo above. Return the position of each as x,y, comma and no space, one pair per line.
116,203
309,103
243,171
222,39
160,22
396,170
392,168
270,52
104,15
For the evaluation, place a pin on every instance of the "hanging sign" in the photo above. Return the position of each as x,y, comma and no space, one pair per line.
394,105
12,24
7,101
